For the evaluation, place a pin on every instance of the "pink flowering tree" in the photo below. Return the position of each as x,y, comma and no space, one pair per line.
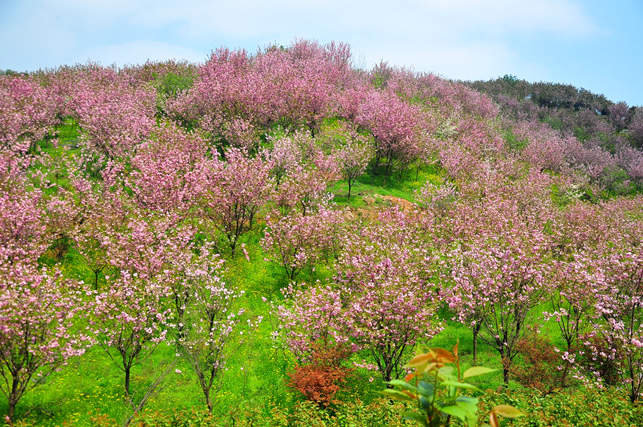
382,304
439,200
145,245
383,319
577,285
386,318
303,171
22,215
39,313
101,214
287,153
310,315
635,128
299,241
304,191
394,125
202,318
387,271
38,308
497,283
129,322
619,316
233,193
114,116
167,170
27,113
353,156
631,160
236,95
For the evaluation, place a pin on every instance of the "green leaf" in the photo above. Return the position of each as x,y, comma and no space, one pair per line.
447,371
397,395
404,385
421,418
475,371
467,406
426,389
455,411
425,403
507,411
468,399
460,385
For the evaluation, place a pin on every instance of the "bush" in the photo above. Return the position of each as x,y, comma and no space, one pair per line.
539,366
585,407
320,378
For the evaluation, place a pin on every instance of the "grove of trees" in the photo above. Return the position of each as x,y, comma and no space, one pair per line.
159,220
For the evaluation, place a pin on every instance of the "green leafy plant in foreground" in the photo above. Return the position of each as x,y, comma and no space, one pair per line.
436,385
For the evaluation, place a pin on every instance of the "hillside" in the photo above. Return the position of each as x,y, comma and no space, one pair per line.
268,238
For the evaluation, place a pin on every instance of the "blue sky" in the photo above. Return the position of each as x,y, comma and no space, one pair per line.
597,45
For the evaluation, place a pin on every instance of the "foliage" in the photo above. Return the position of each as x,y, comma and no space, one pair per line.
123,221
439,398
586,406
322,375
540,365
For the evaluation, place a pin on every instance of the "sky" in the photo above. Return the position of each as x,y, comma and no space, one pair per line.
591,44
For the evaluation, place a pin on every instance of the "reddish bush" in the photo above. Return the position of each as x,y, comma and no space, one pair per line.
323,375
539,365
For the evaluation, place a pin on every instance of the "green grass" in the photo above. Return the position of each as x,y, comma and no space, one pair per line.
375,186
89,390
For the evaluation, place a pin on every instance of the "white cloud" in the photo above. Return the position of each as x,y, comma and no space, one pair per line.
456,38
251,18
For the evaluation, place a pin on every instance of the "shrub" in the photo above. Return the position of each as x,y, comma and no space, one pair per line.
323,375
584,407
539,365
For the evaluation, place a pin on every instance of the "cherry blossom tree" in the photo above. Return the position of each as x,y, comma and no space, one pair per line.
299,241
619,315
573,301
39,332
167,170
393,124
129,321
113,115
203,320
499,267
310,315
388,317
22,217
234,193
353,156
27,113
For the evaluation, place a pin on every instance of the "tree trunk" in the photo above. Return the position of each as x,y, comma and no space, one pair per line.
505,374
208,401
128,370
376,163
476,330
12,407
506,363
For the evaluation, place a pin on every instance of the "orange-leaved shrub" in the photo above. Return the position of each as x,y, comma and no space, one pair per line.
321,376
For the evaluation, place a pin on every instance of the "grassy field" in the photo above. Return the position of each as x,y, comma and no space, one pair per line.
89,390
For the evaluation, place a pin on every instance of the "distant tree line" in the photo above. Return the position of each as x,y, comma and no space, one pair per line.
586,115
